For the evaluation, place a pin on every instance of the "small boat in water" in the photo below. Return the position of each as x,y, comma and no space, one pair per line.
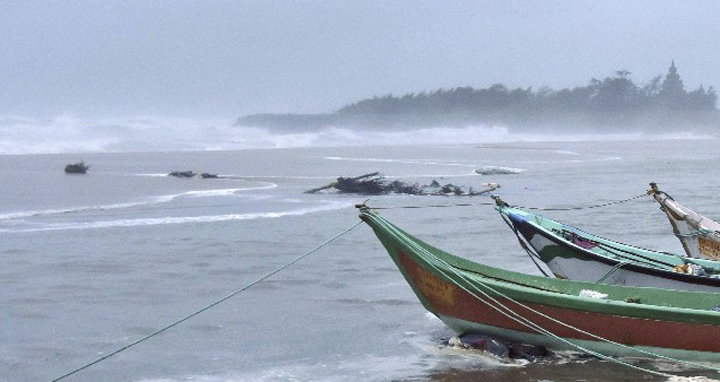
699,235
77,168
470,297
574,254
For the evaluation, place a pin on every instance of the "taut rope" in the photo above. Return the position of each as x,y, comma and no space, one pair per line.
153,334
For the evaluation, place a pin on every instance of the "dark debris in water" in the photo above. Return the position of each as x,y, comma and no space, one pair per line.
377,184
192,174
502,350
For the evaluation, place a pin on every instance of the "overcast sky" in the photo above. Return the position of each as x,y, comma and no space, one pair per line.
223,59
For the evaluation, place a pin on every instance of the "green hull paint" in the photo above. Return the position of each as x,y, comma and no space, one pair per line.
682,304
657,308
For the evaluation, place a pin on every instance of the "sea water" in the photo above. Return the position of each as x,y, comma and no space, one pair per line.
90,263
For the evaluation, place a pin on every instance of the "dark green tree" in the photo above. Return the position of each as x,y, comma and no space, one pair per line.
672,92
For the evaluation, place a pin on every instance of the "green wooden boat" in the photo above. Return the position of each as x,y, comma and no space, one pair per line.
575,254
559,314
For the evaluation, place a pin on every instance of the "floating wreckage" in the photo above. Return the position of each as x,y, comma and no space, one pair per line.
191,174
495,170
77,168
376,184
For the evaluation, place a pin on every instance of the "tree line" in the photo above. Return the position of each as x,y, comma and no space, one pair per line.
613,103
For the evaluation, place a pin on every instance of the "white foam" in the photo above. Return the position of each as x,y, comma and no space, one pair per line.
61,211
498,170
323,206
566,152
148,201
433,176
227,191
402,161
152,175
67,133
602,159
70,134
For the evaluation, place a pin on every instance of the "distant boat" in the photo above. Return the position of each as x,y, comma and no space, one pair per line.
77,168
472,298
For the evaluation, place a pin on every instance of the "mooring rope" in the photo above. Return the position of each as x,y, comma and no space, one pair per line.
698,232
511,314
612,270
526,322
434,206
611,203
530,252
451,205
207,307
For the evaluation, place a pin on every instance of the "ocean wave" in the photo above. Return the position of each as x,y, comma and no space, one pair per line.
602,159
497,170
146,202
153,175
67,133
566,152
143,222
227,191
401,161
433,176
62,211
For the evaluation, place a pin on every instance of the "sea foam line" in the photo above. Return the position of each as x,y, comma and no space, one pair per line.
566,152
402,161
221,177
325,206
149,201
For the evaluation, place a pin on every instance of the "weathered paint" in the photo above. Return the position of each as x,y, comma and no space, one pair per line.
673,322
626,330
699,235
571,261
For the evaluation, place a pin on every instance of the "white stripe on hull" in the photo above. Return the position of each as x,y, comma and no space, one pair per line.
592,271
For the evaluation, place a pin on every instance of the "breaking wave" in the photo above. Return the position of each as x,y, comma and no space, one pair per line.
566,152
498,170
145,202
69,134
402,161
138,222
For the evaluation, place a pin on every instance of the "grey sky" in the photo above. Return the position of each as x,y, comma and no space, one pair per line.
228,58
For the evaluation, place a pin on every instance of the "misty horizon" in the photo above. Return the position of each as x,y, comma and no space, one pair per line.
81,76
223,59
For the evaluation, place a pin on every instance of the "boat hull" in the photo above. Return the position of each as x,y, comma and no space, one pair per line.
570,261
517,336
474,298
465,313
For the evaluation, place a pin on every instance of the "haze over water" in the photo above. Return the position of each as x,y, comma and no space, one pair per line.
91,263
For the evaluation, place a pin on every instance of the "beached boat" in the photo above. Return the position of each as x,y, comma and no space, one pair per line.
574,254
559,314
699,235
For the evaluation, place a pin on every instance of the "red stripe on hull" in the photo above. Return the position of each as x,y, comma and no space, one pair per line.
448,299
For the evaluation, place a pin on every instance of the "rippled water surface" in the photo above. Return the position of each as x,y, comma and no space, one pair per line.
89,264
